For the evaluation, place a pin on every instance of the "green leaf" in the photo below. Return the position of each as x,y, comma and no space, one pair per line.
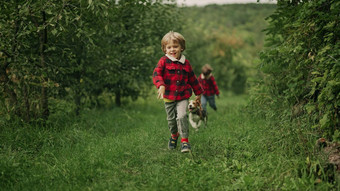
310,108
8,117
48,11
324,120
54,31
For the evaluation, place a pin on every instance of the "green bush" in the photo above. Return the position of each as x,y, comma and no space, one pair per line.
301,61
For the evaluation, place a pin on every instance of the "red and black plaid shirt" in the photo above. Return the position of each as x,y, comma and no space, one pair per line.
178,79
209,85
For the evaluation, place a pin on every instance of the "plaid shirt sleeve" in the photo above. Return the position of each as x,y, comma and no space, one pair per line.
158,74
195,85
215,85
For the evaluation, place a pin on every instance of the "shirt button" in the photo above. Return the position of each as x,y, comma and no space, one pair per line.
178,72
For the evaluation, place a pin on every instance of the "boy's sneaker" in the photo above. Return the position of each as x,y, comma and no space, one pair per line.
172,143
185,147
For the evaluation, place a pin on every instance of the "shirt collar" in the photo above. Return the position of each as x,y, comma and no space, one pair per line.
181,60
203,77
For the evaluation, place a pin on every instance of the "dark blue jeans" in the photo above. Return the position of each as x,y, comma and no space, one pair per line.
210,99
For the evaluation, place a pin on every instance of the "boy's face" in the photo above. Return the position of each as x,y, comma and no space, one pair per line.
206,71
174,49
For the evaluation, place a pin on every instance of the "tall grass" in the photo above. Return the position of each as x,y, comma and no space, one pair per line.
126,149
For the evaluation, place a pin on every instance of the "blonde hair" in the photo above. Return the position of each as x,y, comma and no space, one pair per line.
173,36
207,67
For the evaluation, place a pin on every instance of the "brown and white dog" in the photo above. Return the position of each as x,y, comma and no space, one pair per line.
197,114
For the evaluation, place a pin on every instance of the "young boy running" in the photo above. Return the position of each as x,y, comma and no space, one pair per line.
175,79
209,85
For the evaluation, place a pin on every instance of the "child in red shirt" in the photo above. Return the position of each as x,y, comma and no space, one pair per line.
175,80
209,85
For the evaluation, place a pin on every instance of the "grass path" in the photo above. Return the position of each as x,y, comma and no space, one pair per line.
126,149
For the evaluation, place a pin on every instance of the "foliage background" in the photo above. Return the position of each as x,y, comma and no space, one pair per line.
76,51
90,54
228,37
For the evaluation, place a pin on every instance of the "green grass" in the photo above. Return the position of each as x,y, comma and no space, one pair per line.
126,149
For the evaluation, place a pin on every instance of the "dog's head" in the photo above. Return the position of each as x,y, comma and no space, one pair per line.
193,106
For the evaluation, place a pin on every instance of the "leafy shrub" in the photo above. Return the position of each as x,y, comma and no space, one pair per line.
301,60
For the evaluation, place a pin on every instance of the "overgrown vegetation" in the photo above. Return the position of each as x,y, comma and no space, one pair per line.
302,64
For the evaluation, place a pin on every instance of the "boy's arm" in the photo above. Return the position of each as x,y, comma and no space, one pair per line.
195,85
157,76
215,85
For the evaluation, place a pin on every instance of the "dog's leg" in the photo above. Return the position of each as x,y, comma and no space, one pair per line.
195,126
199,123
190,119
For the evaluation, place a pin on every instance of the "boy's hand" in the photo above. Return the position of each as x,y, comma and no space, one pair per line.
218,96
161,91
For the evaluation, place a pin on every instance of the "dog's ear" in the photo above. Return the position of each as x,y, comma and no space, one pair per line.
200,105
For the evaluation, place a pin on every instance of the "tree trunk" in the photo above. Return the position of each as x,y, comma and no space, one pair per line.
77,102
12,98
26,113
44,93
5,81
8,91
117,98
